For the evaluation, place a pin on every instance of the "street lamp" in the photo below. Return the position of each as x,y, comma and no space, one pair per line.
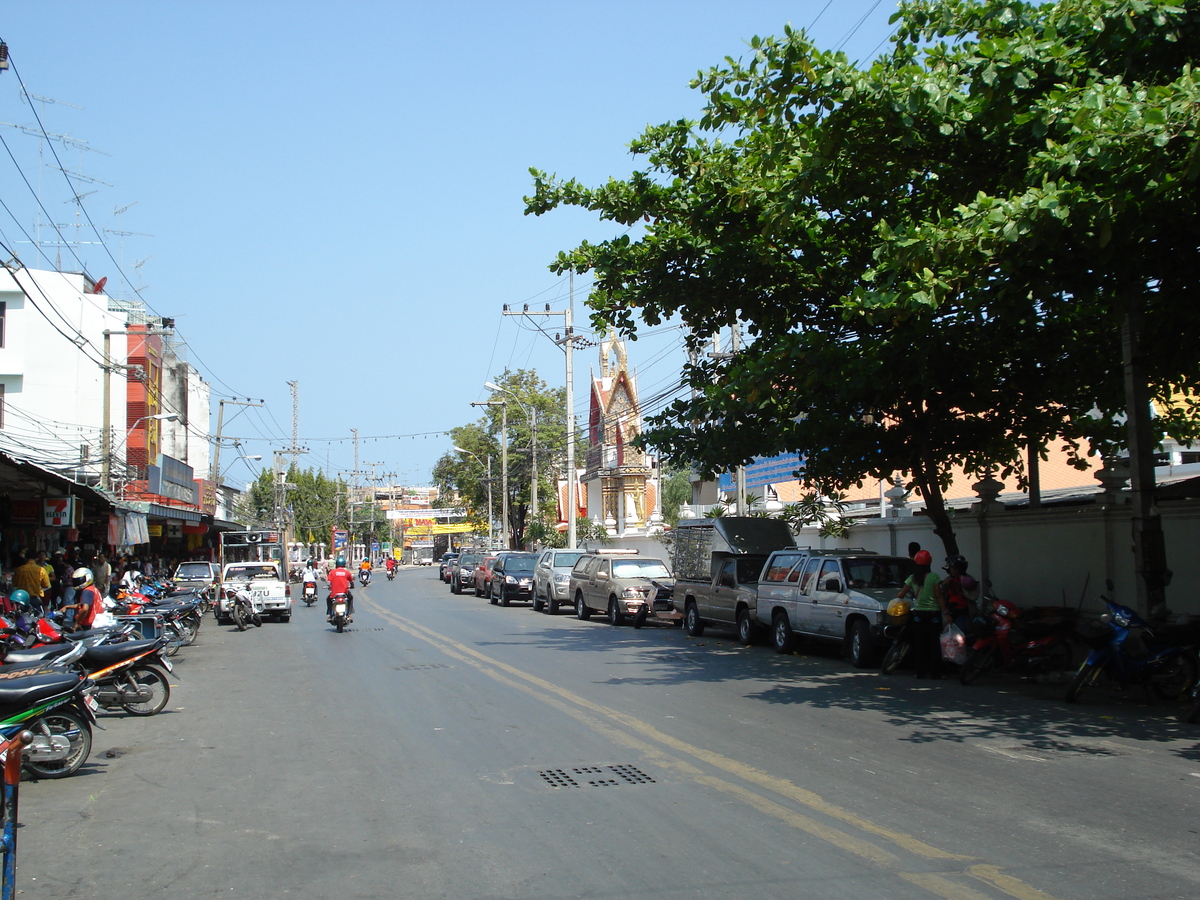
530,417
503,467
491,521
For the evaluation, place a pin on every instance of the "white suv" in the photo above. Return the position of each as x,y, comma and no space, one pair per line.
551,579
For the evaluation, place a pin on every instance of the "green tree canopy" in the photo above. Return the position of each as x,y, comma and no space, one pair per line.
528,397
932,255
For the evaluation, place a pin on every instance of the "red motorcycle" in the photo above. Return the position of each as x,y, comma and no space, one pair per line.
1031,642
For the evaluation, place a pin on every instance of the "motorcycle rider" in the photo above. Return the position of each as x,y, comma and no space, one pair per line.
340,581
928,613
309,576
90,604
960,591
390,564
365,566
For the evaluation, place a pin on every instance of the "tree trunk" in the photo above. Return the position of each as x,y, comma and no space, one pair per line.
926,475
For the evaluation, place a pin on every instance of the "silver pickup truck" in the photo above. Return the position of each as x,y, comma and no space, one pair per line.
830,595
717,564
271,595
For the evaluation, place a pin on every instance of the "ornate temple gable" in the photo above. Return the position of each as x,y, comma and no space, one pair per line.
614,417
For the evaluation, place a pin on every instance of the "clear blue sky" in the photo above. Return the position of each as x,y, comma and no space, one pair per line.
334,189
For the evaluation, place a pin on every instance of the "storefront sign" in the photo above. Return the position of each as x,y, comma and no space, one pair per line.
174,479
57,512
154,530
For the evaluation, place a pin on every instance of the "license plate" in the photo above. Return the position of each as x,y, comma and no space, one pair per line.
91,703
167,664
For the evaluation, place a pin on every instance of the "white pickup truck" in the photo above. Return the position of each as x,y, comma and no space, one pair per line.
270,593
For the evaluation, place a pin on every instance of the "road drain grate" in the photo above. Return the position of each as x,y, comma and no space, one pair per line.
420,667
567,778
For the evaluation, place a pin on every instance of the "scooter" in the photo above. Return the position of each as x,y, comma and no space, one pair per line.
364,577
1131,651
54,705
391,573
1008,638
309,594
341,614
242,609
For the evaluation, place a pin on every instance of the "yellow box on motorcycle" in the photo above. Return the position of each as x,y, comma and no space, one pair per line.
899,612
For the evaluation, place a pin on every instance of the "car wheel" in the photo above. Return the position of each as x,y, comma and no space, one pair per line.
691,620
538,603
745,626
478,592
615,616
581,609
640,618
454,588
491,593
862,654
552,605
781,633
503,592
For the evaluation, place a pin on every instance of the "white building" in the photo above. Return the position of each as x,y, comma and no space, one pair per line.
52,344
51,377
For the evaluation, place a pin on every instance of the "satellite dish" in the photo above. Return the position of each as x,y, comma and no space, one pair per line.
99,288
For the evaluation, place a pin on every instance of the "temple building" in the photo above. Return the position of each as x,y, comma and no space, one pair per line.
620,481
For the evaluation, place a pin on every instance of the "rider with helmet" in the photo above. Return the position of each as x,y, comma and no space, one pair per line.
928,609
390,563
960,591
340,580
364,572
90,604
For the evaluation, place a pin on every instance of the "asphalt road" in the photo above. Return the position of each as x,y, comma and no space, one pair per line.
444,747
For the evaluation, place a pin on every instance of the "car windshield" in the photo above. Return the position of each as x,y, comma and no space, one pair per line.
565,560
640,568
193,570
253,572
877,573
519,563
468,559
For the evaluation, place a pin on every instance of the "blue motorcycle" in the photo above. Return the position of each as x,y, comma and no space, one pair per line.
1130,651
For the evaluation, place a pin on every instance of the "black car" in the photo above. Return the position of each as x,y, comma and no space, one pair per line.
448,560
512,578
462,573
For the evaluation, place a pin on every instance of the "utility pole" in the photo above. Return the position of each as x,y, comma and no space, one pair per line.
739,474
567,342
106,441
214,473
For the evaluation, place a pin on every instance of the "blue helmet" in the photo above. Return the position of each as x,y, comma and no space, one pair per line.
19,597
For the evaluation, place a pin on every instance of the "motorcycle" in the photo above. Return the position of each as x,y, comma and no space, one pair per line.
242,609
1027,643
391,573
899,629
309,594
1129,650
364,577
54,705
341,614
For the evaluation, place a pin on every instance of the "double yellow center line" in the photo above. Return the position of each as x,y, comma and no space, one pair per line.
861,837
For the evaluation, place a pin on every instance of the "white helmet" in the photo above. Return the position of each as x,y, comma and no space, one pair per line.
82,578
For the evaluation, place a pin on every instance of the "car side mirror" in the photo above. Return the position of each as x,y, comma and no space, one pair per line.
833,585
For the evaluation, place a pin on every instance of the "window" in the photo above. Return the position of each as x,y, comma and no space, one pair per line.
781,566
3,321
809,571
831,570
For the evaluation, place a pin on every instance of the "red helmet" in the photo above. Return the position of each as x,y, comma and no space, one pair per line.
923,558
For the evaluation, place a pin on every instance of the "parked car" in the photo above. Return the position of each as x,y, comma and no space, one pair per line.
483,574
621,583
444,568
831,595
717,564
462,573
512,578
552,579
194,575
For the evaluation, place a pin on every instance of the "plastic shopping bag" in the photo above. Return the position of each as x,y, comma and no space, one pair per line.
954,645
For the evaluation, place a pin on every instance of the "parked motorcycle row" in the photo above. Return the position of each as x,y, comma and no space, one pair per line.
1122,648
53,681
